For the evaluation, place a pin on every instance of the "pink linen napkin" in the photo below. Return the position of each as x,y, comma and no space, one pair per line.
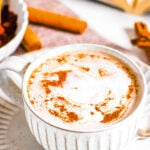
52,37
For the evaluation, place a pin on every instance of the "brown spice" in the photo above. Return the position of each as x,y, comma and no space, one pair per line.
98,107
68,117
2,30
63,100
130,91
81,55
109,98
92,55
46,100
104,103
57,83
92,113
32,102
114,115
61,59
72,116
8,26
102,72
53,112
61,107
85,68
47,90
143,37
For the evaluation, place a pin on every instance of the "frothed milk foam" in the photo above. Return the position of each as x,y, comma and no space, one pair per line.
82,90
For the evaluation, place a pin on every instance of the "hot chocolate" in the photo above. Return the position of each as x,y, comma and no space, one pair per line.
82,90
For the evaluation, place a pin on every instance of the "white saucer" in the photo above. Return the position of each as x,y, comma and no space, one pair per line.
17,135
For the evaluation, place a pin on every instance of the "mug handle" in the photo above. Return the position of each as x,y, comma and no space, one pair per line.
12,70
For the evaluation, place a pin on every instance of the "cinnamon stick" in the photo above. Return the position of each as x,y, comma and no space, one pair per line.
143,37
55,20
30,40
141,29
143,44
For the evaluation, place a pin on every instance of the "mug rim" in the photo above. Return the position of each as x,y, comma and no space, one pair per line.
113,52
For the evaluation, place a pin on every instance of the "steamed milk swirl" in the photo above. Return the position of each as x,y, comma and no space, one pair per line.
82,90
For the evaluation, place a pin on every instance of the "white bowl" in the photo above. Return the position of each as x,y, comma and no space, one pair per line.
18,7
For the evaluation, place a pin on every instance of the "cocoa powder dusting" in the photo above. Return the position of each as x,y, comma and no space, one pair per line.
103,72
85,68
92,113
72,117
61,59
32,102
130,91
61,111
61,107
57,83
46,100
114,115
81,55
64,101
68,117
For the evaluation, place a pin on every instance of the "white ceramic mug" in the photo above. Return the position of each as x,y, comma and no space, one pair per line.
51,137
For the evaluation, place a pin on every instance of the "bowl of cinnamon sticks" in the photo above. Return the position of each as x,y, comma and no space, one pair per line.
13,23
